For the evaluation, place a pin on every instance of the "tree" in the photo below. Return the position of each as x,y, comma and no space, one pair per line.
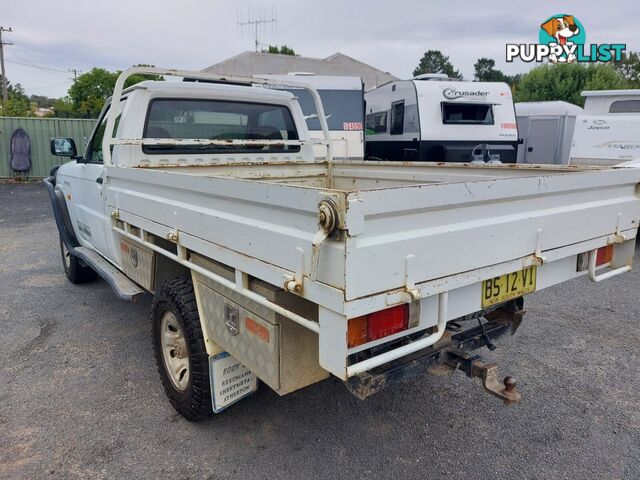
64,108
90,90
566,81
485,71
433,61
282,50
629,68
17,104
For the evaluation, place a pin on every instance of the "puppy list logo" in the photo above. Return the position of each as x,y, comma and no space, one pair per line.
562,39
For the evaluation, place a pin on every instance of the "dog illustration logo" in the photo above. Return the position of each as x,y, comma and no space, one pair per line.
564,31
561,40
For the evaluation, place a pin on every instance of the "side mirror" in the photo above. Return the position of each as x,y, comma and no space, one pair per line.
63,147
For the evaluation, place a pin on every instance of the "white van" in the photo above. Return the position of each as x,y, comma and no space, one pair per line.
343,101
437,119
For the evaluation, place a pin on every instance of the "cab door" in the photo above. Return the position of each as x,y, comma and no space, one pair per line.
88,201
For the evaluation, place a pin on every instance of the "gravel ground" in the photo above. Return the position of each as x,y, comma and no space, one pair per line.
80,396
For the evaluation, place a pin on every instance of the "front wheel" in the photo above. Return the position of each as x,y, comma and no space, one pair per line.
75,271
178,344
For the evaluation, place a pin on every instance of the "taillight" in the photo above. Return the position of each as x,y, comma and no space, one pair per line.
605,255
377,325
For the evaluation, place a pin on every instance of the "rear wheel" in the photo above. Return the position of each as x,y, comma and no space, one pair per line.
178,344
75,271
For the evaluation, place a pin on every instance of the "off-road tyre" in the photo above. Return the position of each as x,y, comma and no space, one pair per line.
177,296
74,269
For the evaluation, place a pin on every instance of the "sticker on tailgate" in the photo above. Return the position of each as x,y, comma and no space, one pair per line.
230,381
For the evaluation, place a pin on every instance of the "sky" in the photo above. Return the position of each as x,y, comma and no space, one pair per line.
51,37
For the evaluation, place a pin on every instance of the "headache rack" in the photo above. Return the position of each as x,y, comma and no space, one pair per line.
110,140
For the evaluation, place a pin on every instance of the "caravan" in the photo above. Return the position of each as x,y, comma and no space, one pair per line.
437,119
343,101
609,131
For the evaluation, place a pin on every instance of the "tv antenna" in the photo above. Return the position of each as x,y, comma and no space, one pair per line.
258,23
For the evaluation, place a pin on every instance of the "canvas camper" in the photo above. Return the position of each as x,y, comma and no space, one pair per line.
546,131
436,119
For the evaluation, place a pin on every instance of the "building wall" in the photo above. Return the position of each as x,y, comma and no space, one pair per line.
40,131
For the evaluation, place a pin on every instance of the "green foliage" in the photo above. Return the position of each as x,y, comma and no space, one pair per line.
629,68
64,108
17,104
90,90
566,81
282,50
433,61
485,71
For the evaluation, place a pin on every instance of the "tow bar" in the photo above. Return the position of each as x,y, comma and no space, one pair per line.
452,353
488,372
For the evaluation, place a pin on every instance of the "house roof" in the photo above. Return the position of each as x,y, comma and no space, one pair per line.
257,63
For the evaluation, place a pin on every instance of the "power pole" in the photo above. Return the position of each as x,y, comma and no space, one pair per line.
75,72
5,95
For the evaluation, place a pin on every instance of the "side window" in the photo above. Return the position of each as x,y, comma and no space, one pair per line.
377,122
625,106
94,149
397,118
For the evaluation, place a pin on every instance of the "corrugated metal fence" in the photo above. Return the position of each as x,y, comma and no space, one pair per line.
40,131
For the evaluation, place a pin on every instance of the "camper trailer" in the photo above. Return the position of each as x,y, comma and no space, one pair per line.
343,101
546,131
436,119
609,131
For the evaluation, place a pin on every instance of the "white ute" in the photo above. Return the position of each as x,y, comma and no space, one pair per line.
266,262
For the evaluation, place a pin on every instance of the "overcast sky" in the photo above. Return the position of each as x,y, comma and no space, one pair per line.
193,34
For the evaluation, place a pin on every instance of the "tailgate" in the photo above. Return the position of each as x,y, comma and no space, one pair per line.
431,231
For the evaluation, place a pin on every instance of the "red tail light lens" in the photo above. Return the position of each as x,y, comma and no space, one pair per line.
605,255
377,325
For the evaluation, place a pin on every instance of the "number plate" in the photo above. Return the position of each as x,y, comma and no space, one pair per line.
506,287
230,381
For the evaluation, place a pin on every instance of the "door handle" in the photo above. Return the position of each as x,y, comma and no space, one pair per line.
99,180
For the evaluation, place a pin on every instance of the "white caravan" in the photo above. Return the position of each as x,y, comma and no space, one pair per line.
436,119
609,131
343,100
613,102
606,139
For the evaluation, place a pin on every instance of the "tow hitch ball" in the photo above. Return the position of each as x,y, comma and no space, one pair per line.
488,372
